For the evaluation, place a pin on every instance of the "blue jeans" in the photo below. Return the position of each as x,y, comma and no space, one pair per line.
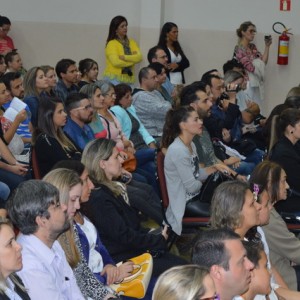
4,191
146,166
245,168
255,156
11,179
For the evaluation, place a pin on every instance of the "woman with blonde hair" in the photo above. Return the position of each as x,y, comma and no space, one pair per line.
69,185
253,61
11,286
115,219
188,282
35,85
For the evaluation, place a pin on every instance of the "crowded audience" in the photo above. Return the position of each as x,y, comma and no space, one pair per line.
95,142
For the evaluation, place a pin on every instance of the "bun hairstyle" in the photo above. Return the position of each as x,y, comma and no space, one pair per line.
243,27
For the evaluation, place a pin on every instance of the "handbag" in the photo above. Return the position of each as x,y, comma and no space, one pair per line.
136,284
210,184
130,163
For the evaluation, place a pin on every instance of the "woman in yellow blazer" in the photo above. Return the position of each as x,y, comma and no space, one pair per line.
121,53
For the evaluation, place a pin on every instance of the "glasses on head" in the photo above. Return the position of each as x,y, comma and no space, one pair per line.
215,297
87,107
112,95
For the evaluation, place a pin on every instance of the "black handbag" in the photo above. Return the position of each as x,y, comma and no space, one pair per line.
210,184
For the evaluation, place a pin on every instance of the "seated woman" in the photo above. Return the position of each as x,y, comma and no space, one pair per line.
232,199
11,286
124,237
132,127
89,71
146,167
95,253
188,282
51,77
184,176
284,151
35,85
69,185
284,246
50,142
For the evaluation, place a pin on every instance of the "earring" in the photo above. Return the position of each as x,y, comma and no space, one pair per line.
291,132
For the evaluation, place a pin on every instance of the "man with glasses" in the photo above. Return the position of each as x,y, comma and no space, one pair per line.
67,73
80,113
35,209
157,54
149,104
222,252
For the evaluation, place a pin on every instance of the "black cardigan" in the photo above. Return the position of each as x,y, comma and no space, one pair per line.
119,226
181,65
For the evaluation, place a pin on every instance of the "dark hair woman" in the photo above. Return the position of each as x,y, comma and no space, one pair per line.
89,71
177,61
50,142
121,53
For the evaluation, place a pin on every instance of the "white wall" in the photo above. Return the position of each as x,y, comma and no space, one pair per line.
45,31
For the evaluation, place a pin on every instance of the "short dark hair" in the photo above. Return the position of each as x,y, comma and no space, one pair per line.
63,65
4,21
152,53
208,77
8,77
157,67
121,90
31,199
73,100
8,58
210,248
188,93
143,73
253,250
231,64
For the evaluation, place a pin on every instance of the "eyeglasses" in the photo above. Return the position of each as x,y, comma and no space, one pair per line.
87,107
215,297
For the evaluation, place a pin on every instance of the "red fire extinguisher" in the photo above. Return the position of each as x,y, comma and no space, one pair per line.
283,45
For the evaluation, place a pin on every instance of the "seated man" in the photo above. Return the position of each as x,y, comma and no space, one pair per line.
35,209
222,252
67,73
14,84
149,104
80,113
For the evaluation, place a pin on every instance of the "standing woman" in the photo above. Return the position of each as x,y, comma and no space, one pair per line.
35,84
184,176
11,286
121,53
177,61
253,61
89,71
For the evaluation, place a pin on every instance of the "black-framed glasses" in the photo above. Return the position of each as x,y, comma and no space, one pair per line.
215,297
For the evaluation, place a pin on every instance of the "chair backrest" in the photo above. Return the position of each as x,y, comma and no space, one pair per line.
162,179
34,164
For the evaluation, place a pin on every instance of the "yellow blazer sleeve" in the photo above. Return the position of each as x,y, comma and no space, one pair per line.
137,57
112,51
